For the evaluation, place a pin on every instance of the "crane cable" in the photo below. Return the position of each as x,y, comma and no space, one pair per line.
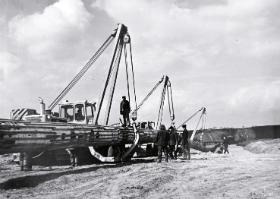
132,70
162,99
82,72
133,76
134,113
126,69
167,89
170,102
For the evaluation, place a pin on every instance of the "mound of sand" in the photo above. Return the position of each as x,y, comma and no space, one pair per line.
264,146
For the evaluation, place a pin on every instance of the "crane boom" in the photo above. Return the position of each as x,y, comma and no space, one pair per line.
82,71
165,91
201,117
120,34
148,95
189,118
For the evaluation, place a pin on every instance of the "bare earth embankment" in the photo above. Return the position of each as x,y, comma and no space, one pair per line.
244,173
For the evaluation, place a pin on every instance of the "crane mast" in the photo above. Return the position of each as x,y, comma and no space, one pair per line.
113,71
121,40
166,90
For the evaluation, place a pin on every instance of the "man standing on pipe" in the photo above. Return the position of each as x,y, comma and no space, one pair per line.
125,110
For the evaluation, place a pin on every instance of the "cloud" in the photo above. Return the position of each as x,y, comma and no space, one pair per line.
260,98
193,4
42,50
220,54
210,49
9,63
49,33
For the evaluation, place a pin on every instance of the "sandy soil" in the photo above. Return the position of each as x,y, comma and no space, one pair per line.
240,174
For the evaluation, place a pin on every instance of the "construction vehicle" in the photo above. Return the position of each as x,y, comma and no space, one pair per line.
77,127
77,124
201,138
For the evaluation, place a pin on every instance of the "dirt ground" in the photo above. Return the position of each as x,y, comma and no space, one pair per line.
248,172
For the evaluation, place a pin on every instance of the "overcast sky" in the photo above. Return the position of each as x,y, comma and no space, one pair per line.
221,54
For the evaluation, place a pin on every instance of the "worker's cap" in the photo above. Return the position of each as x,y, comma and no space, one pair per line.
123,97
162,127
184,126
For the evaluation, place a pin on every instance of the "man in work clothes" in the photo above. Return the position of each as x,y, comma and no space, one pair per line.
185,143
173,142
162,142
225,143
125,110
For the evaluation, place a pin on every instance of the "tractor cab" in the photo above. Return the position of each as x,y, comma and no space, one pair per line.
78,112
146,125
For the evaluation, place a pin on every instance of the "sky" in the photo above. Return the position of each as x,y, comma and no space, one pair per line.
219,54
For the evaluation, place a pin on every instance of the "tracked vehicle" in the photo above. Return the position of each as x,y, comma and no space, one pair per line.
76,127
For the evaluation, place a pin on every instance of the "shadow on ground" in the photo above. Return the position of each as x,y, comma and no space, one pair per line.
34,180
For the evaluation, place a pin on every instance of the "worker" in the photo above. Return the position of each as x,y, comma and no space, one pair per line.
73,156
68,116
225,144
79,115
161,141
178,149
185,143
150,125
173,142
125,110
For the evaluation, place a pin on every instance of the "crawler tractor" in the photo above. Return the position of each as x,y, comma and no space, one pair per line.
76,127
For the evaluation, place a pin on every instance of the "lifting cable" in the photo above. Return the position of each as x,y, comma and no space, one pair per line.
126,69
170,102
203,127
132,70
169,107
167,89
162,99
82,72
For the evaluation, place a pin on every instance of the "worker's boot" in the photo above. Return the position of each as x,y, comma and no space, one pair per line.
159,158
159,154
166,157
175,155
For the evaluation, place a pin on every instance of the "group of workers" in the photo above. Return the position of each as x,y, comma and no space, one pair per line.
168,142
